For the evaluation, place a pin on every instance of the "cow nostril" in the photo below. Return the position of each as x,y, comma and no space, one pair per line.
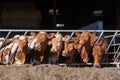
64,52
38,46
53,49
19,50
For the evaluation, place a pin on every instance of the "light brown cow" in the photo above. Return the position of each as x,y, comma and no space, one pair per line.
68,52
98,51
56,49
69,48
19,47
38,47
84,45
88,47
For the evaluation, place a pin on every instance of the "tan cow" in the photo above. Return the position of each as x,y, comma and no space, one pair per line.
69,48
37,48
68,52
84,45
87,47
98,51
56,49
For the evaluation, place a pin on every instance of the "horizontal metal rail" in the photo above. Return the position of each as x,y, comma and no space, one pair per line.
111,36
23,30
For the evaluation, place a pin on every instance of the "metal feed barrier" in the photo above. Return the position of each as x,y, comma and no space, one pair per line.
112,37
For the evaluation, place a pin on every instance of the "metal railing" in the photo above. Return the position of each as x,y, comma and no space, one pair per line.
109,35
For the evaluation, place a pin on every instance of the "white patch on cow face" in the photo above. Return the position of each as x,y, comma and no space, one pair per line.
22,37
17,61
81,42
1,43
7,58
58,35
42,32
32,45
14,48
16,36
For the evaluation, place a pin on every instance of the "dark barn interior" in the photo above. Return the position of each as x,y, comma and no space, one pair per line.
72,14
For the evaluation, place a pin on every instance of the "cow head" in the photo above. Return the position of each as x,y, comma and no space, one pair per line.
22,50
22,43
39,40
84,37
69,50
57,43
84,46
98,51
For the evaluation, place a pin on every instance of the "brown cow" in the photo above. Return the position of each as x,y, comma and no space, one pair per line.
20,54
98,51
69,48
68,52
56,49
37,48
84,45
88,47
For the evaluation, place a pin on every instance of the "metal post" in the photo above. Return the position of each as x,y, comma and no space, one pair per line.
70,36
99,37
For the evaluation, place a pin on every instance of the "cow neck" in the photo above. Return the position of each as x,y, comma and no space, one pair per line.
94,42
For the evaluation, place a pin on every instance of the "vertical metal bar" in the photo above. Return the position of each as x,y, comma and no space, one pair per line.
57,32
99,37
5,39
117,51
25,33
70,36
115,61
114,46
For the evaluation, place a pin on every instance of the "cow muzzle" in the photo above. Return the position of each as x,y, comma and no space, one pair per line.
65,53
20,50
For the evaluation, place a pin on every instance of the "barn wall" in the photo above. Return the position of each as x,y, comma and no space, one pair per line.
20,15
118,15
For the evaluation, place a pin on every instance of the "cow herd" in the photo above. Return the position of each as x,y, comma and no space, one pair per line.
53,48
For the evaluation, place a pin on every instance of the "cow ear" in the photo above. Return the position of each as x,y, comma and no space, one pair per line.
66,38
77,34
76,46
50,35
33,34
